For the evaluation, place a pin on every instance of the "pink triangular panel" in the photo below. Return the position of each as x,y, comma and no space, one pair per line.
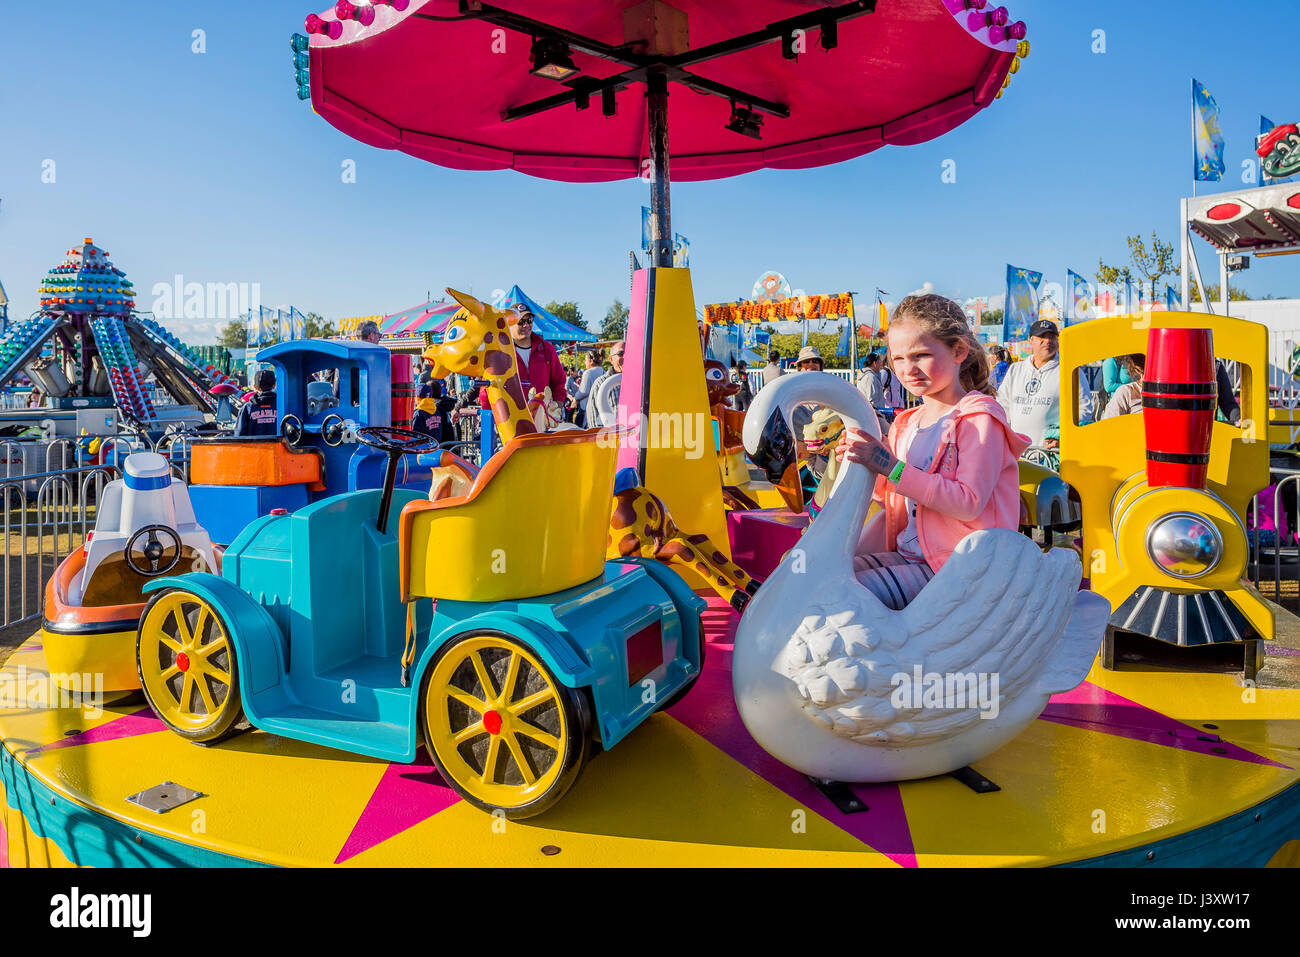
1095,708
405,795
710,711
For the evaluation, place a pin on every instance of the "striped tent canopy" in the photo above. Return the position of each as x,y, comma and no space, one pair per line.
550,326
429,317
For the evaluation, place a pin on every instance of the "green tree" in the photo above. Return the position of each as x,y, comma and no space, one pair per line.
233,335
1112,275
1234,294
569,312
1154,263
614,325
991,317
320,328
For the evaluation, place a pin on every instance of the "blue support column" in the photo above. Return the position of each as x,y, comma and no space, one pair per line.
487,435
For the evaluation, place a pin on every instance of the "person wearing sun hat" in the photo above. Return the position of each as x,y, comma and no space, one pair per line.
809,359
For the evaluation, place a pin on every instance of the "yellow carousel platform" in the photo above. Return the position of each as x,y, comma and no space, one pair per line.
1137,767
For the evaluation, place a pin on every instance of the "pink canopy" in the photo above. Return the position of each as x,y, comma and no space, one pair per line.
435,83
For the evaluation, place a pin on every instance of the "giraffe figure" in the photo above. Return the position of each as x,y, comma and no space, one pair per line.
640,525
479,344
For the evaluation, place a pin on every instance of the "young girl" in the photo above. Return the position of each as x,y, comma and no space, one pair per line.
947,467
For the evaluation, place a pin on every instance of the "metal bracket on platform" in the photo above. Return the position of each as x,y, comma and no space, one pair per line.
974,780
840,794
162,798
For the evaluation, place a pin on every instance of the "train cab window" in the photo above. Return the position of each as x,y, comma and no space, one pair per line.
1114,387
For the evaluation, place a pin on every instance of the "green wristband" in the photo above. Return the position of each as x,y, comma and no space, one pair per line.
897,472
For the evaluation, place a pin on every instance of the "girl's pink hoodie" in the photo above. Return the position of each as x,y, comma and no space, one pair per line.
973,482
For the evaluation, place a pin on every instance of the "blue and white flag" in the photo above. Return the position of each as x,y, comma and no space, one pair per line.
1208,134
842,347
645,228
1172,299
1132,299
1078,299
681,252
1021,309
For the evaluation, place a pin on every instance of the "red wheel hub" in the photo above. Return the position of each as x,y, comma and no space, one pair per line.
183,663
492,722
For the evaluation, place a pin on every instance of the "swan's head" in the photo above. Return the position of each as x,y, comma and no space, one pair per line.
778,399
769,439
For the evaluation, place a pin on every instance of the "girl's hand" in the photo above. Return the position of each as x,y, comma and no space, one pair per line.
857,446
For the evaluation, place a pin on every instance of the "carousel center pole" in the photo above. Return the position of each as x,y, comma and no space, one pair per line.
663,394
661,227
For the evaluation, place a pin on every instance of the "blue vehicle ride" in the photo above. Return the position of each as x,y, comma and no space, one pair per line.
487,624
326,389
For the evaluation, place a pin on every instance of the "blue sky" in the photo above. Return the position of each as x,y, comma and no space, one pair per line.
207,166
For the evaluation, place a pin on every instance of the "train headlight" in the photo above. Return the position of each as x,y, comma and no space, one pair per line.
1185,545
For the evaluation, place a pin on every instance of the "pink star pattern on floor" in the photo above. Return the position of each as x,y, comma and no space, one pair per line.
405,795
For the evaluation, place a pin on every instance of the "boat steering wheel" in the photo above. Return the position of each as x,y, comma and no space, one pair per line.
396,443
153,551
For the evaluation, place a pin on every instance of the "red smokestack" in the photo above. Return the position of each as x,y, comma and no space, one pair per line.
1178,400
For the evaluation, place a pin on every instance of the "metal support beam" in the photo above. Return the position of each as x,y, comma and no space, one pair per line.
641,66
661,228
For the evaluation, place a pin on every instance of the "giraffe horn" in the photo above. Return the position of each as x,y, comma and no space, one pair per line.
472,305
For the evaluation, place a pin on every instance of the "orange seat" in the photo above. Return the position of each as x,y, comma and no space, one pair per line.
245,461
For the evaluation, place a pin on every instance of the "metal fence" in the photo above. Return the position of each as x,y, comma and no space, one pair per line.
43,528
49,491
1274,564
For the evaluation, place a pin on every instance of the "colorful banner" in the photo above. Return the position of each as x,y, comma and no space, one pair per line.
1021,308
681,252
1079,306
1208,134
645,228
754,338
842,347
1173,302
838,306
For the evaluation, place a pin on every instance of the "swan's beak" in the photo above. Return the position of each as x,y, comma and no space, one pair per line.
775,455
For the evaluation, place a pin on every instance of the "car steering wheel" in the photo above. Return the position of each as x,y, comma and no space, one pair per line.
153,551
332,429
395,442
291,430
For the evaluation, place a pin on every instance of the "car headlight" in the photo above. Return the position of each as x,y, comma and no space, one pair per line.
1185,545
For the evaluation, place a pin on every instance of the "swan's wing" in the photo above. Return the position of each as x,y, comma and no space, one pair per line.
1073,656
994,612
997,608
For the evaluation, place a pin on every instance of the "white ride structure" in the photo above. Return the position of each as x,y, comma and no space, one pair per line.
834,684
147,518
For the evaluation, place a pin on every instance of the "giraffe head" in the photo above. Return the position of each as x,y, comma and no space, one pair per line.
475,342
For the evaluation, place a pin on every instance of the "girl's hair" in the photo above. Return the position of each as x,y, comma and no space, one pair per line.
945,320
1135,365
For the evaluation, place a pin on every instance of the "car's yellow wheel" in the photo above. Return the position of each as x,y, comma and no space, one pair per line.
505,734
187,666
